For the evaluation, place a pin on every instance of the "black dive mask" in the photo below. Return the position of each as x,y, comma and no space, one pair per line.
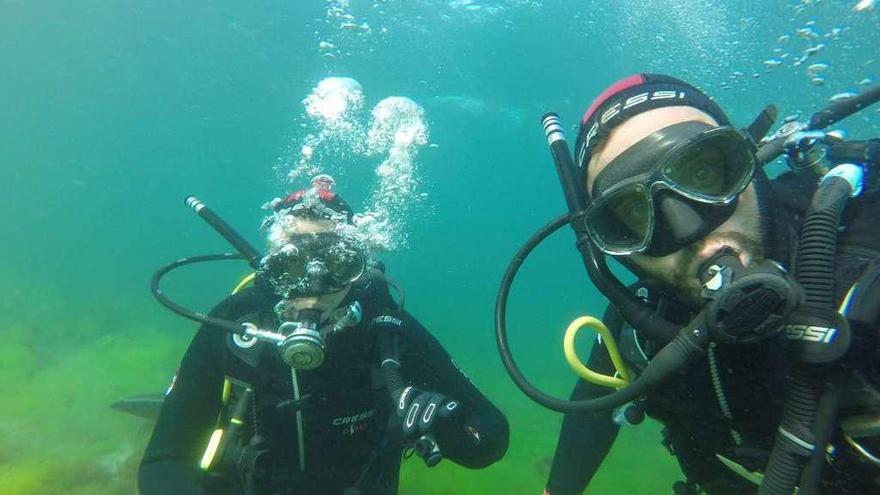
313,265
669,189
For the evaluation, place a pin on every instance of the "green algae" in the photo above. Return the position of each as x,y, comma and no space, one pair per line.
86,448
57,434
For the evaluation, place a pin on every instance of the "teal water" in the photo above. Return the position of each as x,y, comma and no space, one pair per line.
111,112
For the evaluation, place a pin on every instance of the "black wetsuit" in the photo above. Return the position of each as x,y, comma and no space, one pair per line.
346,427
748,382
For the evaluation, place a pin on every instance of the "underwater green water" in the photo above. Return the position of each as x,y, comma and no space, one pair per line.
112,111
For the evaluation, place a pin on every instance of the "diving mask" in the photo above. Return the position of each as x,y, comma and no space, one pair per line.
669,189
312,265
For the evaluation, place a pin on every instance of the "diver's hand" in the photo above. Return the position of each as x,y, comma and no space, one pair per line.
429,413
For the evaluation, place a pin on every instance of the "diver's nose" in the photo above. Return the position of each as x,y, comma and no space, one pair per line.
682,222
708,247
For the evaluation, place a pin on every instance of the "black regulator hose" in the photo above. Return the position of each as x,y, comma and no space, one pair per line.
803,431
245,250
388,342
688,344
183,311
818,245
826,417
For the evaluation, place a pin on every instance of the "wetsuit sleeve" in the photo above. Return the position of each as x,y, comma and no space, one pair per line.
585,439
427,365
186,420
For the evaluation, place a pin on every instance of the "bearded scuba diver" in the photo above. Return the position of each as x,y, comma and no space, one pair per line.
310,378
752,332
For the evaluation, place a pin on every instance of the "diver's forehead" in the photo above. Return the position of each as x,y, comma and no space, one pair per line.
285,227
637,128
311,225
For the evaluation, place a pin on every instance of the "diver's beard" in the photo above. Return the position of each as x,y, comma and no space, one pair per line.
681,276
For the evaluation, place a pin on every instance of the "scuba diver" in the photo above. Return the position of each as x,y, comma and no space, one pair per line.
751,333
312,379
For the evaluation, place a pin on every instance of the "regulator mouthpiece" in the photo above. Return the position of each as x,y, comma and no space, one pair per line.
304,347
746,304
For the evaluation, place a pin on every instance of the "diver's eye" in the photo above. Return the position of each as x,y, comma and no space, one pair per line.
633,212
701,177
705,175
702,173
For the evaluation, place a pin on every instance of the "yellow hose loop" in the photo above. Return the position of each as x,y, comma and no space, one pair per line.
244,283
578,367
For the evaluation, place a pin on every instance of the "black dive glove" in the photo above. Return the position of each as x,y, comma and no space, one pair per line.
429,421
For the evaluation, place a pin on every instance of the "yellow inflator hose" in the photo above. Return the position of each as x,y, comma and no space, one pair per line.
578,367
244,283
